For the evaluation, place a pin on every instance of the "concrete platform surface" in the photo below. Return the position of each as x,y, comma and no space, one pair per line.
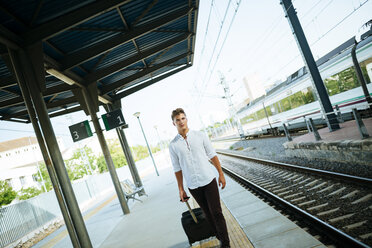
342,145
348,131
264,226
156,222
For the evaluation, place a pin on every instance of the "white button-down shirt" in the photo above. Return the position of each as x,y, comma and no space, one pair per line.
192,155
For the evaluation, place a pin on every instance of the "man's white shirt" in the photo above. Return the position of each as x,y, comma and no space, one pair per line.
192,155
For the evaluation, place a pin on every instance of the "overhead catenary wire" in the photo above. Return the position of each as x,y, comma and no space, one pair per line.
216,42
274,75
290,40
218,37
226,35
347,16
26,131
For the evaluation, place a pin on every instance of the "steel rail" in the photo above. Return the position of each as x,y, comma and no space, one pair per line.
337,236
349,178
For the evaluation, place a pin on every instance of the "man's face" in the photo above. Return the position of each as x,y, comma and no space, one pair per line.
180,121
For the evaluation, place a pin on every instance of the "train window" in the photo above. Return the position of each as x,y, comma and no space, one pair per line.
332,85
296,100
308,95
366,67
261,114
268,111
248,119
274,108
348,79
285,104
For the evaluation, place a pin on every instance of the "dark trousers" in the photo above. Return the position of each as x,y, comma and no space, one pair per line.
208,199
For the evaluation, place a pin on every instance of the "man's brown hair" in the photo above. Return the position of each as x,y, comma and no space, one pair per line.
177,111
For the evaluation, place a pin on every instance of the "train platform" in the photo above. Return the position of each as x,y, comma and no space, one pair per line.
345,144
155,222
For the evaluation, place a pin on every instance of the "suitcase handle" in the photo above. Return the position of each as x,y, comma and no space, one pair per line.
192,213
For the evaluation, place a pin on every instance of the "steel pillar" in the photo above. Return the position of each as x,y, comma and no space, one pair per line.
148,146
315,130
361,127
130,160
28,76
126,149
325,103
287,134
105,150
48,163
360,76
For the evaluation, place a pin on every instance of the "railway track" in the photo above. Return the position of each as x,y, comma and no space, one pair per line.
337,206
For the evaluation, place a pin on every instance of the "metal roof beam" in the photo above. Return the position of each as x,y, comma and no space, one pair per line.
11,102
102,73
55,104
87,53
68,78
7,82
170,31
120,83
62,102
66,111
13,16
9,39
49,91
71,19
149,7
148,83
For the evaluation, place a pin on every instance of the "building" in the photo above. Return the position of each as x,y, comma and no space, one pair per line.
19,161
254,86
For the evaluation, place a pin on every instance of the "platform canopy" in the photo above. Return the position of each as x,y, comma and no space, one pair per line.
119,46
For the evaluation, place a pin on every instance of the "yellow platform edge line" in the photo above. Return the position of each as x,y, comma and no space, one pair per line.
238,238
87,216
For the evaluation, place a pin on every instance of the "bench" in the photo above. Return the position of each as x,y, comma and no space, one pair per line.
130,190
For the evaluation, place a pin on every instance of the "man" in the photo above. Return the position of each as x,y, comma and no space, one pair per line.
190,152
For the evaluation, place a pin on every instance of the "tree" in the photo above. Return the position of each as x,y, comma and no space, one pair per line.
117,156
7,194
76,166
28,193
139,152
81,163
45,175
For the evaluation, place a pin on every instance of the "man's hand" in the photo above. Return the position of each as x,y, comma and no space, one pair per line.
222,181
183,196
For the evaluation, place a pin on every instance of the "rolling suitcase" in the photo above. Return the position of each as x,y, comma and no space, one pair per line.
196,225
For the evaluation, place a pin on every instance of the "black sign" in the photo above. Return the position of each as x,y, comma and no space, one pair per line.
113,119
80,131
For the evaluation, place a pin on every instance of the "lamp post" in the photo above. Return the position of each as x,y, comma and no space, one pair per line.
160,142
137,114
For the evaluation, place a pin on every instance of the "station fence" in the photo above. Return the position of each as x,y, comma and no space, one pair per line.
22,218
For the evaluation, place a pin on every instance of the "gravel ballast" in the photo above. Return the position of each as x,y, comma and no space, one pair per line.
273,149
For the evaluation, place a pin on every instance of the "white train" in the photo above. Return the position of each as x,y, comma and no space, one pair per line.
293,100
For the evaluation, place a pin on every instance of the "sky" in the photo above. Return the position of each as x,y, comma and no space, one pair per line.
252,40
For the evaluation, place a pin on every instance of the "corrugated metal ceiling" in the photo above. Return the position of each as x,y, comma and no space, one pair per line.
144,35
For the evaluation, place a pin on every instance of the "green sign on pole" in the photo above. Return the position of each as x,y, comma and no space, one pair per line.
113,119
80,131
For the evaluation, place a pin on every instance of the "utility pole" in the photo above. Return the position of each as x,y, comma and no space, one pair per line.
325,103
232,110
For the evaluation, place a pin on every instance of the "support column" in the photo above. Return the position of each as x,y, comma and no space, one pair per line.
360,76
28,76
126,149
325,103
48,163
129,157
106,153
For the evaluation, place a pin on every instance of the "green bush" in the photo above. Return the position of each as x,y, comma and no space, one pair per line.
28,193
7,194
